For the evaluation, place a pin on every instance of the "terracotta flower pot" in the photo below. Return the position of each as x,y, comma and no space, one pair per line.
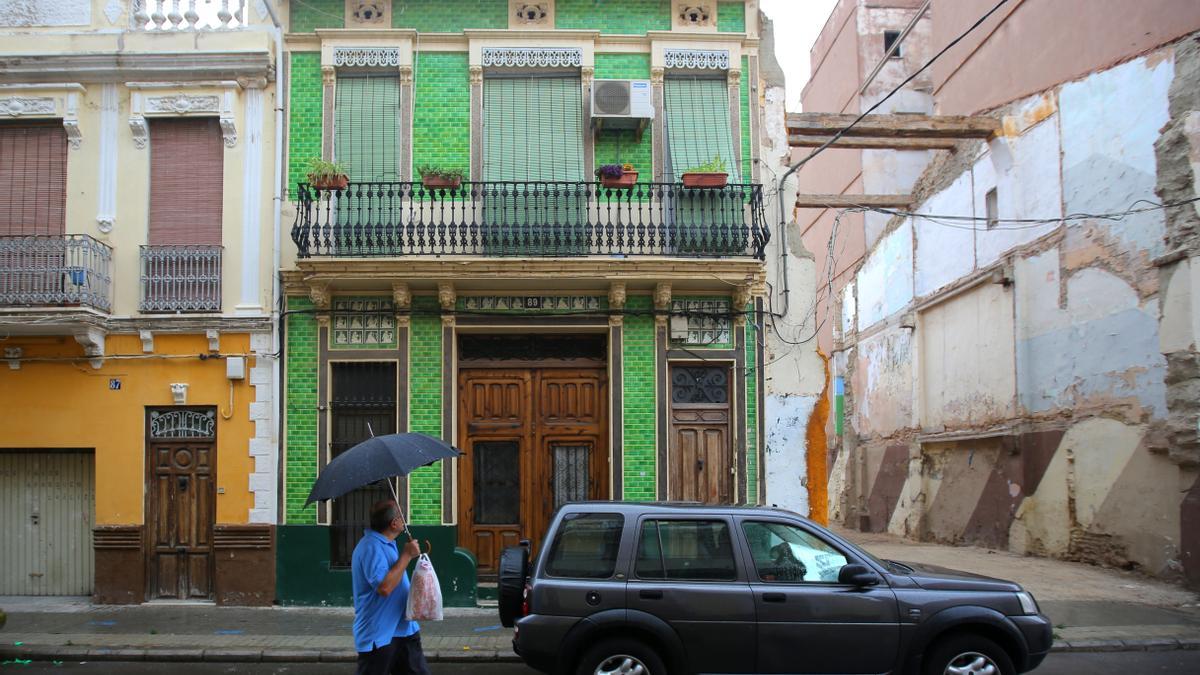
705,180
624,182
440,182
331,182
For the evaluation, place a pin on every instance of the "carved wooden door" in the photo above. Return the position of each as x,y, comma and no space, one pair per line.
180,504
701,458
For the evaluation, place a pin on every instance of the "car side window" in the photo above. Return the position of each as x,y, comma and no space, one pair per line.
785,553
685,550
586,546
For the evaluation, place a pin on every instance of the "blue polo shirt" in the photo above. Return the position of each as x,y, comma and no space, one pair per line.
377,618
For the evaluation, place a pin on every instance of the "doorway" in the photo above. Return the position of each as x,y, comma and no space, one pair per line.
701,457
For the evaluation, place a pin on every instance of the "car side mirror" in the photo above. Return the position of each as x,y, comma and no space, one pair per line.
858,575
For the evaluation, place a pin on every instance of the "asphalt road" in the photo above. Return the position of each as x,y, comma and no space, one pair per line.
1124,663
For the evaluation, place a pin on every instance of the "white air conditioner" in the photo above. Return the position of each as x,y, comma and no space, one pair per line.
621,104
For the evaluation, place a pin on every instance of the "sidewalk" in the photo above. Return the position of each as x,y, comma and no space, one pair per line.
1093,609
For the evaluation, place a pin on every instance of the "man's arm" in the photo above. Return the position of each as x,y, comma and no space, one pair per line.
392,579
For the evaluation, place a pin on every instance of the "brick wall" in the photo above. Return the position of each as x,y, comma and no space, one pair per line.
311,14
627,16
638,352
300,420
731,17
449,16
442,111
425,406
619,147
304,115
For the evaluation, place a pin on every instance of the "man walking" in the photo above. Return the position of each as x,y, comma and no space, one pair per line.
386,642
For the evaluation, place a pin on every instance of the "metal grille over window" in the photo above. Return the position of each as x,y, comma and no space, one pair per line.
497,483
570,473
183,424
363,401
364,322
367,126
708,320
700,384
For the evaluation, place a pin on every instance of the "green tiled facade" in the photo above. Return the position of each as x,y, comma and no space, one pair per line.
442,110
638,351
304,115
622,146
308,15
449,16
425,406
745,88
751,407
627,17
731,17
301,411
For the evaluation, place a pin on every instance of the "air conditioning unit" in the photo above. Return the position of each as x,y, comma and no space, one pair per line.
621,104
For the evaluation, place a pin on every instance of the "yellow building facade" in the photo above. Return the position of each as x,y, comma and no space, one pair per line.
138,229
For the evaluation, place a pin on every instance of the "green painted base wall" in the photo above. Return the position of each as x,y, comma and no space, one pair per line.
303,577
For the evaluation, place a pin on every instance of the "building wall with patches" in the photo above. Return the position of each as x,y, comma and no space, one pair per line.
1032,383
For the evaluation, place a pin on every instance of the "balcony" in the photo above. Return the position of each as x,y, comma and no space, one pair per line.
70,270
183,15
180,278
530,219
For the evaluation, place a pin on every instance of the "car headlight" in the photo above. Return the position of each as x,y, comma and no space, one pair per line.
1028,604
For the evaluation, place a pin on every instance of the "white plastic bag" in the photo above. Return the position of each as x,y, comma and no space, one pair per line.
424,595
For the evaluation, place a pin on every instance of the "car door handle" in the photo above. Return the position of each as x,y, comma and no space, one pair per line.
650,595
774,597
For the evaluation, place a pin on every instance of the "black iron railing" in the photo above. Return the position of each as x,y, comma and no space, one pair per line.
55,270
530,219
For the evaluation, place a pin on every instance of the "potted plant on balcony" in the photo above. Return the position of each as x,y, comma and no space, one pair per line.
617,176
711,174
438,178
326,175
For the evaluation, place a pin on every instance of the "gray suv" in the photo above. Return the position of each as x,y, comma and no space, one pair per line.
664,588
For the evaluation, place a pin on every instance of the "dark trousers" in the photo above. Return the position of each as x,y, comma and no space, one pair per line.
403,656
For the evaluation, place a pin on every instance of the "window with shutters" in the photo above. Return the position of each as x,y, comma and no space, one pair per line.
367,126
33,178
533,158
181,265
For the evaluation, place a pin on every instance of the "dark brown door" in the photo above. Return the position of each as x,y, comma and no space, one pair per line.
180,510
701,458
534,439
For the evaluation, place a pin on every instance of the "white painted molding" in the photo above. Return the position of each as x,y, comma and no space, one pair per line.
696,59
182,99
28,106
92,341
214,339
252,204
147,338
45,100
532,57
106,209
366,57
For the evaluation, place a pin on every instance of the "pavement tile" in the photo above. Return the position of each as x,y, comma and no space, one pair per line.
233,655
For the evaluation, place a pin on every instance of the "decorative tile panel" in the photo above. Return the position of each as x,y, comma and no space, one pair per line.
696,59
521,57
708,320
510,303
363,323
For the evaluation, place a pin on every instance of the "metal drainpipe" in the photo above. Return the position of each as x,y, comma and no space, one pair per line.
276,288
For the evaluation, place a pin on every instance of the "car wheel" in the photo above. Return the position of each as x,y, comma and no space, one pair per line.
510,585
968,654
621,656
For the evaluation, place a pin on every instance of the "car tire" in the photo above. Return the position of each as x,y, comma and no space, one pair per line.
621,656
964,653
510,585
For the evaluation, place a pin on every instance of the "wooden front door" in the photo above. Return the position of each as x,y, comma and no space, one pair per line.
180,504
534,438
701,457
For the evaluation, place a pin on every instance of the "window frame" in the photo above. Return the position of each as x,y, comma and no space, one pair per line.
549,548
899,53
739,567
849,555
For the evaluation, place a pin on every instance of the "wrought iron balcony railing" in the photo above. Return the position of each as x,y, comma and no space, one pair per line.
55,271
548,219
181,278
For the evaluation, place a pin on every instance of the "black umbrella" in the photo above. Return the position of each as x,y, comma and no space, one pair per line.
378,458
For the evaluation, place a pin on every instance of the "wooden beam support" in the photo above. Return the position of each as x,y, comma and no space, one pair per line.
902,125
850,201
861,143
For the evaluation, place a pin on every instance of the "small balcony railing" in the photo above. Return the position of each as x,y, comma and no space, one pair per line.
181,278
547,219
55,271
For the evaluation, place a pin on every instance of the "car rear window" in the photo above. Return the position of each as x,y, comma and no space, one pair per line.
685,550
586,546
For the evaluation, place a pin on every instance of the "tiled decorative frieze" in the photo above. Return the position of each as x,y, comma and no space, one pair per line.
696,59
364,322
527,57
510,303
366,57
708,320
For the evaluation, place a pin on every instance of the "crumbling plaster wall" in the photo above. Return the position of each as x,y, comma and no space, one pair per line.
1103,340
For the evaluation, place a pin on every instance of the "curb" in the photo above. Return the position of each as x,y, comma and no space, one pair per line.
1129,645
159,655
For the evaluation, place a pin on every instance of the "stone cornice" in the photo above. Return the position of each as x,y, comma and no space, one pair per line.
90,67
